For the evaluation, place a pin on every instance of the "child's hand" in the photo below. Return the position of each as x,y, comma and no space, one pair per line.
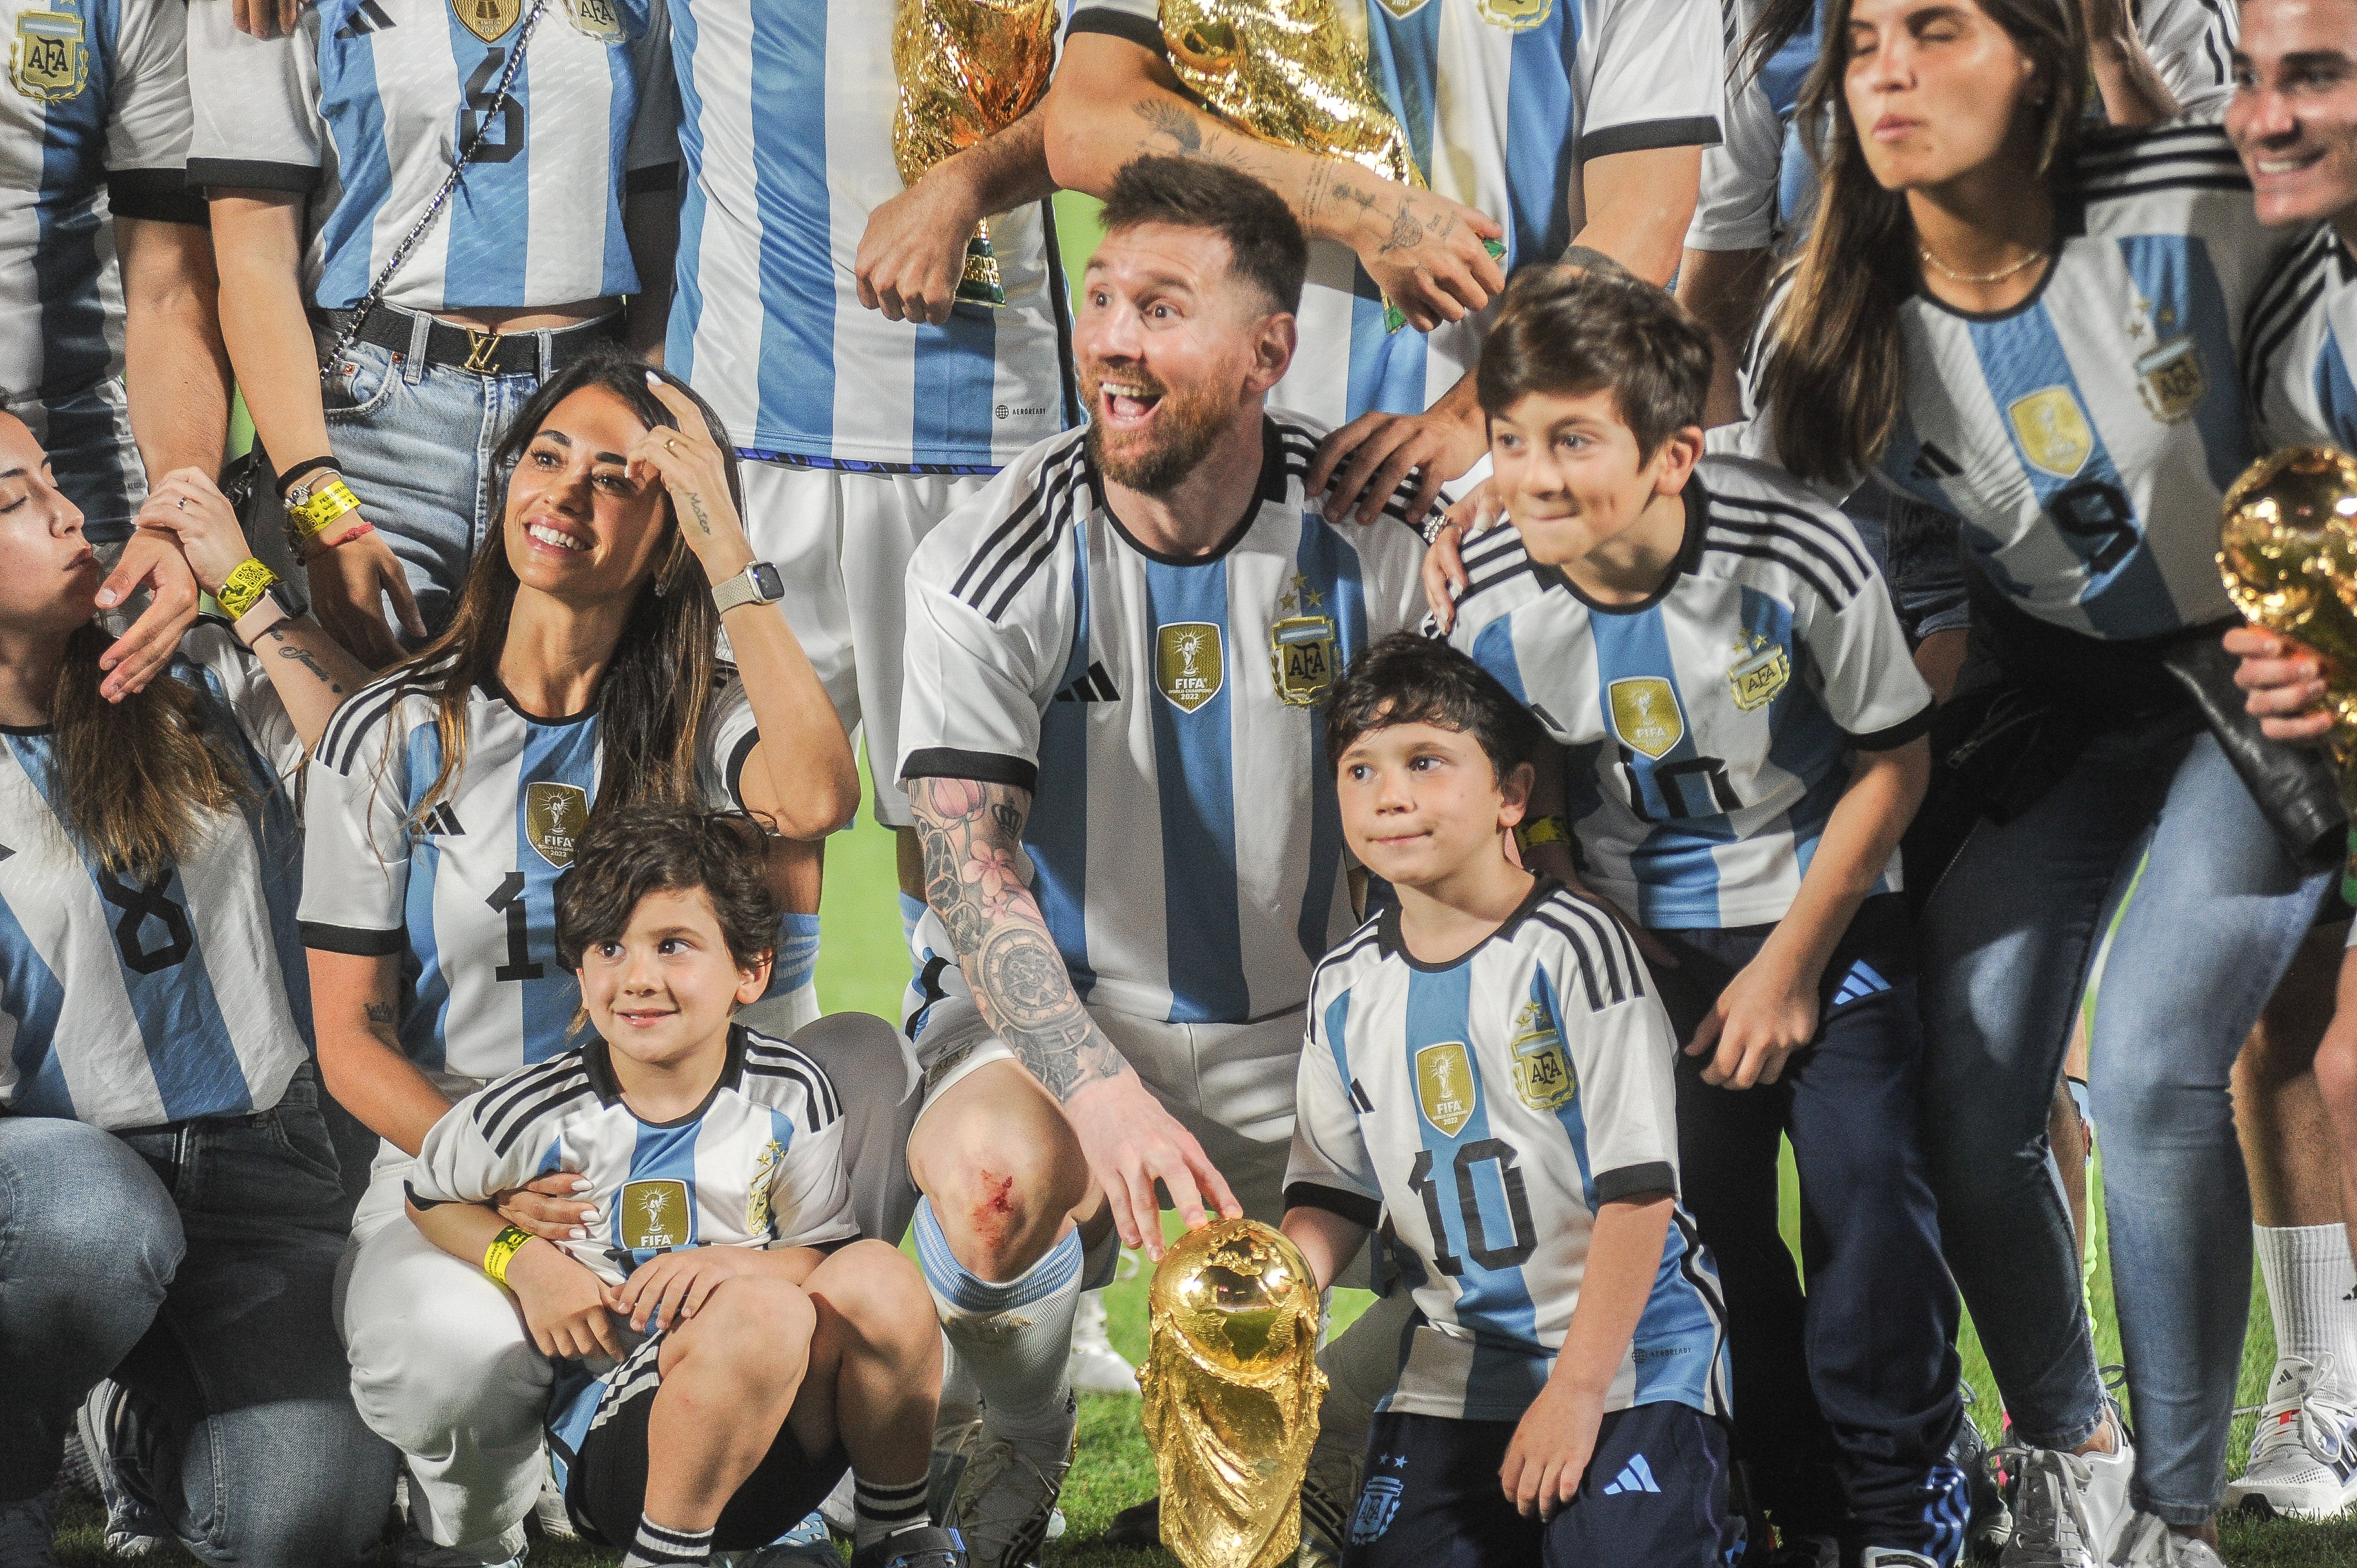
1551,1449
566,1305
1765,1015
672,1287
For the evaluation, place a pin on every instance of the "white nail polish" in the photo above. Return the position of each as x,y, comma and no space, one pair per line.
579,1234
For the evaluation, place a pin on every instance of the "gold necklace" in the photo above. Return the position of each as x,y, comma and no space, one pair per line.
1953,275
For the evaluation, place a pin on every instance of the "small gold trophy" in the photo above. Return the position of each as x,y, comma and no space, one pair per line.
967,70
1231,1390
2289,558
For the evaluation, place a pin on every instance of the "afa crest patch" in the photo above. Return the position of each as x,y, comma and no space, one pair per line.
1544,1079
2172,380
1379,1504
47,59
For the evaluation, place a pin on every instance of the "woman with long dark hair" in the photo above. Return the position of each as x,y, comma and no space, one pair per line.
578,671
170,1218
2035,325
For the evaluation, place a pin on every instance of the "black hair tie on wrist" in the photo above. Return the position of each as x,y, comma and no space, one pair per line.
286,477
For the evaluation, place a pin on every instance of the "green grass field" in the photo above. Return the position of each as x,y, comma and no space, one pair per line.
863,966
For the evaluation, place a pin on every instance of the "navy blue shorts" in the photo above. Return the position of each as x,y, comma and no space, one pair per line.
1655,1496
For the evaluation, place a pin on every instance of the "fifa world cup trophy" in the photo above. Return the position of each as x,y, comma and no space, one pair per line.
967,70
2289,557
1231,1390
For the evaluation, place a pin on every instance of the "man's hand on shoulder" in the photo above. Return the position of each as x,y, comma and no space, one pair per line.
1360,466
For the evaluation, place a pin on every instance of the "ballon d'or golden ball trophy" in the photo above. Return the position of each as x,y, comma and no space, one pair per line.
1231,1388
967,70
2289,557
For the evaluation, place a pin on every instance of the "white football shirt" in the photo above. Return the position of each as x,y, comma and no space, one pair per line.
1485,1109
1184,840
1711,726
94,121
365,105
1502,101
2296,358
130,1001
2087,437
467,897
788,139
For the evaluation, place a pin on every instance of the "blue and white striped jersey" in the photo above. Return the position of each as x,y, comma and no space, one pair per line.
129,1000
467,897
1486,1109
761,1165
95,123
1504,101
2297,351
788,136
1711,726
1758,188
1184,841
365,105
2087,437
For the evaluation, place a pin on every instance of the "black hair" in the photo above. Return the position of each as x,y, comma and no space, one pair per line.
629,852
1568,332
1404,679
1264,241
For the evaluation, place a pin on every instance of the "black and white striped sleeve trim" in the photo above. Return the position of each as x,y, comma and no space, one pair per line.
1026,537
766,1058
1816,552
2195,157
1495,557
1609,968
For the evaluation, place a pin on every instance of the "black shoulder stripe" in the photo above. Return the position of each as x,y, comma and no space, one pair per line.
2191,182
2095,171
1587,930
340,742
815,1114
1809,522
521,1093
1018,532
539,1114
778,1055
1620,947
2284,285
1751,530
1766,553
1587,965
2260,351
1071,497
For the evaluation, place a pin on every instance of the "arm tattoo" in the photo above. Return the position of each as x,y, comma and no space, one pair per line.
703,520
970,833
379,1013
1172,123
302,656
1406,232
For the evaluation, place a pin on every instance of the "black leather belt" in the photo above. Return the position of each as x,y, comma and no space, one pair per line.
484,353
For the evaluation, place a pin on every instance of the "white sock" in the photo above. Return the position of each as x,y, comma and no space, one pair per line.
882,1509
2310,1282
660,1546
1013,1339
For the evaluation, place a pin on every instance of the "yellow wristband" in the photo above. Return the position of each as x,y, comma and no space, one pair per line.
502,1250
244,588
322,506
1544,829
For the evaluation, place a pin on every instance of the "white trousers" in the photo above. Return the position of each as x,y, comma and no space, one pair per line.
442,1367
842,541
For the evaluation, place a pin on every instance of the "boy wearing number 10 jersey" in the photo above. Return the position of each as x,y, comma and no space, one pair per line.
1487,1062
1743,732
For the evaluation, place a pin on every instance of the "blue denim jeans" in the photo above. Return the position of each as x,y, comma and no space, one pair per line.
192,1265
415,442
2007,940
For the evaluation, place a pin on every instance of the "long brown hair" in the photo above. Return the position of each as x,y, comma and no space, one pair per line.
651,699
139,780
1836,374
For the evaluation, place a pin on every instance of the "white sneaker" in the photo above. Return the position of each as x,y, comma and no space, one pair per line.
2068,1508
1095,1367
549,1512
1893,1557
1329,1495
1007,1493
2304,1455
120,1455
2146,1542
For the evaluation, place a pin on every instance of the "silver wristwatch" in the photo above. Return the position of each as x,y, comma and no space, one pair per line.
759,584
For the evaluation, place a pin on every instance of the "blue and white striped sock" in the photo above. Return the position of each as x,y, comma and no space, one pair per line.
1015,1339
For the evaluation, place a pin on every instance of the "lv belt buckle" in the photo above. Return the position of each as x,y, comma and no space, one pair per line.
480,347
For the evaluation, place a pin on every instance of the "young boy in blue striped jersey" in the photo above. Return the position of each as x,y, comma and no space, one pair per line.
1742,742
1486,1060
729,1345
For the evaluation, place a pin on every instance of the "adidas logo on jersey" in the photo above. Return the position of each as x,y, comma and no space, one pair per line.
1093,686
443,822
1636,1475
1861,983
371,17
1931,463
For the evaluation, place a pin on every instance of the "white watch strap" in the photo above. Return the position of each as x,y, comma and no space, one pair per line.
740,589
